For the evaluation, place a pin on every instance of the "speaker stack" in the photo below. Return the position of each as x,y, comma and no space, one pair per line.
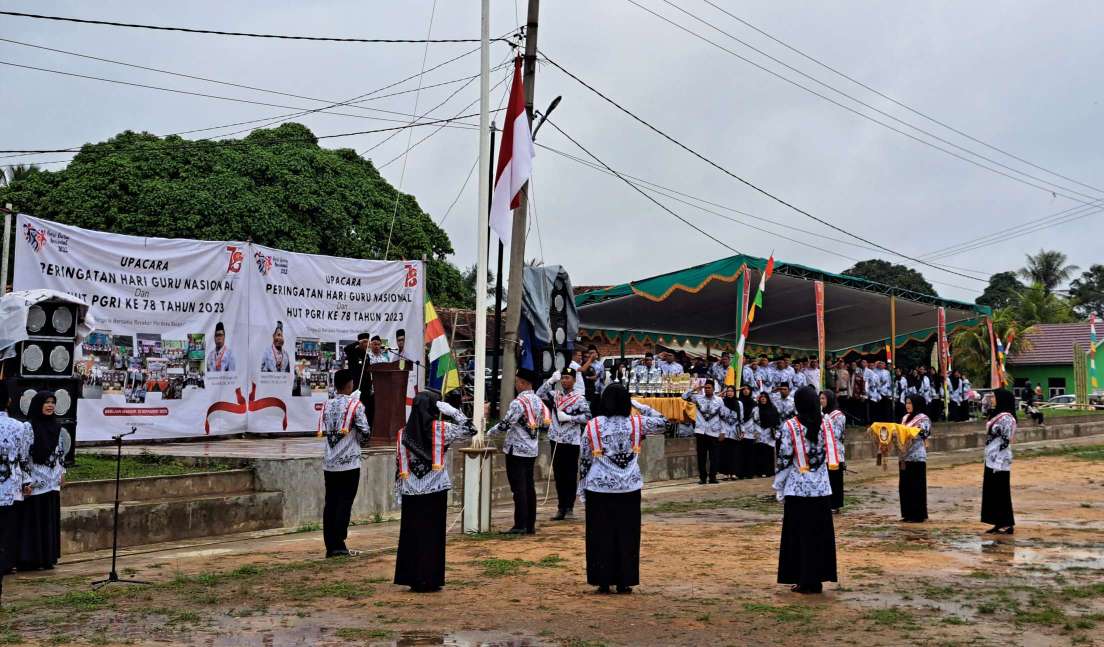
558,354
45,362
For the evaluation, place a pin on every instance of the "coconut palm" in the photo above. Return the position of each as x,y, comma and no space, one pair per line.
1048,268
970,346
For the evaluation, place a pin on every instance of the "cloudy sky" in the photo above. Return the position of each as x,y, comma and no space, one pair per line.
1023,77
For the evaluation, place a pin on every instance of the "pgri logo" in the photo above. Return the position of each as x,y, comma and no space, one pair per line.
236,257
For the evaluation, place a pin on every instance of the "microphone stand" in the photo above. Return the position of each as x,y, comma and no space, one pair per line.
113,576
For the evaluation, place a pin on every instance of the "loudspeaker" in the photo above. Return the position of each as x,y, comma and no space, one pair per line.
52,319
46,357
66,392
558,355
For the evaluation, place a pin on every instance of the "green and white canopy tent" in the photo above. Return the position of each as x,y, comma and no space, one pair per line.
707,304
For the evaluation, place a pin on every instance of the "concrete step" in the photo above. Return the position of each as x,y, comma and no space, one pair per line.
152,488
89,526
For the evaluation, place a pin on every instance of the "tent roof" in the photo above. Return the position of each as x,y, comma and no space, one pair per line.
700,303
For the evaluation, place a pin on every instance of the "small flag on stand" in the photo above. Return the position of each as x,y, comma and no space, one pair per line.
442,374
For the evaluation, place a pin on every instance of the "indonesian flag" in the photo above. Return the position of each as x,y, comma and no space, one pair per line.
515,160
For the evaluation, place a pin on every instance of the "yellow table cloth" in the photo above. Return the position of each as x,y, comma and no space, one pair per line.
673,408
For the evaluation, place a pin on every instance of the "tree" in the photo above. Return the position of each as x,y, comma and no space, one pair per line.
17,172
970,346
1048,268
1037,305
276,187
1087,292
469,284
1003,290
888,273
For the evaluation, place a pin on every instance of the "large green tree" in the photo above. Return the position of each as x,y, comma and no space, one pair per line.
1048,268
276,187
1003,290
1087,291
888,273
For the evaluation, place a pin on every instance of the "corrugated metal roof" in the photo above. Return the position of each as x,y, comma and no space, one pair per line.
1053,344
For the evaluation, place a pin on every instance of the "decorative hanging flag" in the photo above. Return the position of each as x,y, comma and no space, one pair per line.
515,160
818,290
442,374
994,368
1092,352
758,303
735,373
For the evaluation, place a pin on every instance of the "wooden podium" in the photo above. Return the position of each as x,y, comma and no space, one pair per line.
389,385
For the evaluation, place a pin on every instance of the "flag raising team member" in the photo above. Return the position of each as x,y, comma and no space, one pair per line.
344,426
837,420
523,422
913,482
570,413
708,423
996,488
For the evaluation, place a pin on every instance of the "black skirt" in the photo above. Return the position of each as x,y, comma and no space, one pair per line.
835,478
613,538
39,531
764,459
745,467
807,552
996,499
420,562
913,488
9,538
728,456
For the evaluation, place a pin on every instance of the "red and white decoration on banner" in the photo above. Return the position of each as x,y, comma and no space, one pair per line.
515,160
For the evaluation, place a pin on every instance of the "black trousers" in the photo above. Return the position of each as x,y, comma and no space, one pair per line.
565,469
9,538
996,498
707,457
613,538
835,479
519,472
341,490
420,562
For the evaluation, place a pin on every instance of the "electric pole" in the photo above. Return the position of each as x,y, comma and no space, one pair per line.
517,237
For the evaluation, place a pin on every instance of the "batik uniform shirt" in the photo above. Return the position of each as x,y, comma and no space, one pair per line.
731,425
786,408
643,373
708,420
572,404
15,458
780,375
917,451
435,480
789,480
524,420
998,442
798,380
839,423
719,372
763,380
926,390
47,477
670,368
959,393
885,383
275,361
873,385
747,376
342,451
902,389
612,467
812,377
759,433
384,357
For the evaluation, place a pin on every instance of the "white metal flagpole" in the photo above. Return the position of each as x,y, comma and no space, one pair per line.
477,459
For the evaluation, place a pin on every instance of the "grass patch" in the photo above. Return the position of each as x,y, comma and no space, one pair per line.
353,633
183,618
300,591
550,561
98,467
1081,592
1046,615
78,601
755,503
955,620
487,536
890,617
1083,452
787,613
310,526
495,567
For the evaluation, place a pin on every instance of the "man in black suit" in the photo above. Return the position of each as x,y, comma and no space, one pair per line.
355,355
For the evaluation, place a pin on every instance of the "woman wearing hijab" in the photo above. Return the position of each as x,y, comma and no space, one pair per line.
610,482
421,485
837,420
807,552
996,488
913,482
766,421
747,438
730,451
40,513
955,395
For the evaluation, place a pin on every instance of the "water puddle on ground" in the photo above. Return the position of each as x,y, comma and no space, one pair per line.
314,635
1034,555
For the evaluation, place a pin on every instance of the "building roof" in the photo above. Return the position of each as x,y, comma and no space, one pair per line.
1052,344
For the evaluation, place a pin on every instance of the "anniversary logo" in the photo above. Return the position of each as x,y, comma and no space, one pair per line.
193,339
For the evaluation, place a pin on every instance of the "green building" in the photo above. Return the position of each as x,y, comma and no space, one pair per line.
1049,362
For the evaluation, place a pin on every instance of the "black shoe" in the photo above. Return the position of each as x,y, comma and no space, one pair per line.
604,589
992,531
713,481
624,589
702,482
559,516
425,589
569,514
1007,531
514,531
530,531
337,553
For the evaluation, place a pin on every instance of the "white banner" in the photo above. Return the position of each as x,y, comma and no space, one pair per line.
201,338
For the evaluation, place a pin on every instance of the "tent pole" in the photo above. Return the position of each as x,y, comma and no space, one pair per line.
891,348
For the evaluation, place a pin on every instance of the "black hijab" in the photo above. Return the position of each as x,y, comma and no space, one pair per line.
1004,401
807,405
616,400
919,406
769,418
732,402
747,401
47,430
418,435
956,377
831,399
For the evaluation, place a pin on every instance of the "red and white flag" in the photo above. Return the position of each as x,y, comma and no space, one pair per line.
515,160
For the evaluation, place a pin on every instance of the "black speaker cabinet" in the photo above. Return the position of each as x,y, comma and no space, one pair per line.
46,357
558,355
50,319
65,390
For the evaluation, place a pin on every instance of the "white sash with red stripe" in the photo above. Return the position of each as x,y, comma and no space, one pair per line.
402,454
800,452
594,433
831,446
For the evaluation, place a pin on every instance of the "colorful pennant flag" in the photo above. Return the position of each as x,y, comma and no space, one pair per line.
443,374
737,361
1092,352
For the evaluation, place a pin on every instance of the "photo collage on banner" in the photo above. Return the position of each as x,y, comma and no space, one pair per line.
201,338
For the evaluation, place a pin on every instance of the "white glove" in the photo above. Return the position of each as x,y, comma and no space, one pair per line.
447,409
562,417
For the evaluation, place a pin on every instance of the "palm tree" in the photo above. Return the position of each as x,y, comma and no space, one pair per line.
1048,268
970,346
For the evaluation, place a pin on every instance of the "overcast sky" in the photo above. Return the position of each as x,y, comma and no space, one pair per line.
1022,76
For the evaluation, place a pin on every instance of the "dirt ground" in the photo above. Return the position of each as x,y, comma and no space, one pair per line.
709,556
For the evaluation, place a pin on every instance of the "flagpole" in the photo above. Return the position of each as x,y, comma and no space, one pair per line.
484,217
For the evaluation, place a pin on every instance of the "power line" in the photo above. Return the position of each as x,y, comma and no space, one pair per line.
895,101
1000,237
1034,224
216,32
641,191
463,187
742,180
1062,190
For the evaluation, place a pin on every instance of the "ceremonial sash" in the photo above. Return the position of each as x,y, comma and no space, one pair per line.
800,454
595,435
635,433
566,401
350,412
831,446
438,445
321,421
594,432
401,456
1000,416
277,359
530,415
218,358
